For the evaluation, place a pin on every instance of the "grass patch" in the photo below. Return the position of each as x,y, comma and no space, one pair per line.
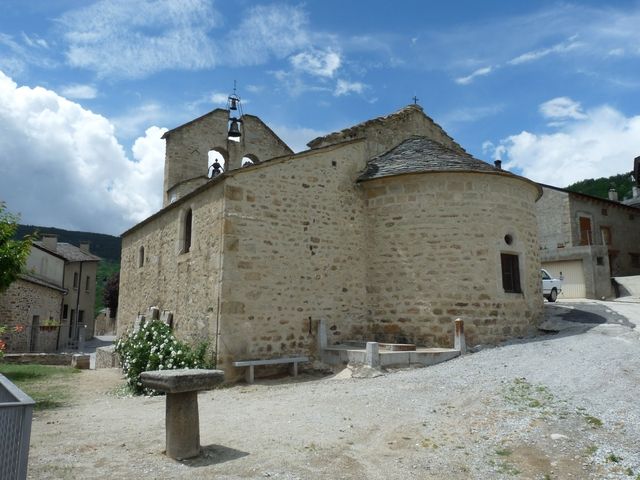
613,458
591,449
593,421
503,452
524,394
41,382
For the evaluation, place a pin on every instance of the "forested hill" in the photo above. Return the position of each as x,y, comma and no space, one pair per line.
102,245
599,187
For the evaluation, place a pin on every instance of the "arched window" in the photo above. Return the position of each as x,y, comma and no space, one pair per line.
188,218
219,156
248,160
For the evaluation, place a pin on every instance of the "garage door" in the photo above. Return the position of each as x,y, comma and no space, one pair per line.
573,277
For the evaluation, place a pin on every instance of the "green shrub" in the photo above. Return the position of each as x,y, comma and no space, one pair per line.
154,347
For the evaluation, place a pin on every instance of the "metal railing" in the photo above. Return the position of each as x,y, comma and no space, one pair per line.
16,412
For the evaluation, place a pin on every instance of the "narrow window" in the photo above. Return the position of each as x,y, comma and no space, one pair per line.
510,273
606,235
72,321
585,231
141,257
75,279
65,311
87,281
187,231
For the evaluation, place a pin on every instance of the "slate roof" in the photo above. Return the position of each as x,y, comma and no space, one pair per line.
70,252
420,154
359,130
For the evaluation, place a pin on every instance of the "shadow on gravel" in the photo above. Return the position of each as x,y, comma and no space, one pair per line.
581,317
213,455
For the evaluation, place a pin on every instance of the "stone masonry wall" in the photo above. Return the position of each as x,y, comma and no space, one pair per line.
434,244
624,224
294,253
554,219
185,283
18,305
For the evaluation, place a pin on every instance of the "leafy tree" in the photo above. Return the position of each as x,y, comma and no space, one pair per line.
110,293
13,253
599,187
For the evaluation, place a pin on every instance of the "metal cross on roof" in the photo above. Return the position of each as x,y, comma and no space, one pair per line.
415,100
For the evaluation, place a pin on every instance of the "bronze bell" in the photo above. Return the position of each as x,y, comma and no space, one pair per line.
234,129
234,103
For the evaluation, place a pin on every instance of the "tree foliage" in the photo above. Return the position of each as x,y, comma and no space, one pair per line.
13,253
599,187
110,293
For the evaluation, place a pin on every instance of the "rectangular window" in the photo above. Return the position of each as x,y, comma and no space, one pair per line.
65,311
635,260
606,235
585,231
81,317
75,280
510,273
72,322
87,283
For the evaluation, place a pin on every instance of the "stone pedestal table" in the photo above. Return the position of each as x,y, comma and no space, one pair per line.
181,418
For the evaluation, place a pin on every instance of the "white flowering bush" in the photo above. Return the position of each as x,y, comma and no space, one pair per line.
154,347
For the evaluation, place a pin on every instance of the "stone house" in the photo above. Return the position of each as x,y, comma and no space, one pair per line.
587,240
387,230
79,281
30,308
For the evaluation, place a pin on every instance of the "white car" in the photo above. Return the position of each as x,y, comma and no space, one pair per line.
551,287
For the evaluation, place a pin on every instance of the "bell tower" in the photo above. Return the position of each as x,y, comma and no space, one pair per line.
228,133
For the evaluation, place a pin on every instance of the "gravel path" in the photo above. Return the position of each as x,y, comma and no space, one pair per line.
558,406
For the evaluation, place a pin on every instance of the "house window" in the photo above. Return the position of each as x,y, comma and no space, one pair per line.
87,282
65,311
510,273
188,219
585,231
141,257
635,260
76,280
600,261
606,235
604,212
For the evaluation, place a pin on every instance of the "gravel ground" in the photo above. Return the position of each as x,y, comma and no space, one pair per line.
557,406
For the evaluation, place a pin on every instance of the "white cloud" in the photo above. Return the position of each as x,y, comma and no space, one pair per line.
219,98
134,39
602,142
62,165
562,108
267,31
344,87
81,92
533,55
138,118
480,72
317,62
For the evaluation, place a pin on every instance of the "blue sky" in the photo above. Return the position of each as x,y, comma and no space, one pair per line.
87,88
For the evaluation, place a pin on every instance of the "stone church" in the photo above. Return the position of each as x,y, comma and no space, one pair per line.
385,231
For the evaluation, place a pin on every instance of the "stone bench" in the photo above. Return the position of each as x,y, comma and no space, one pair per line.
182,421
272,361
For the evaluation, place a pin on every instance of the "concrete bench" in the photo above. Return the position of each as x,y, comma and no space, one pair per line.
272,361
182,421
